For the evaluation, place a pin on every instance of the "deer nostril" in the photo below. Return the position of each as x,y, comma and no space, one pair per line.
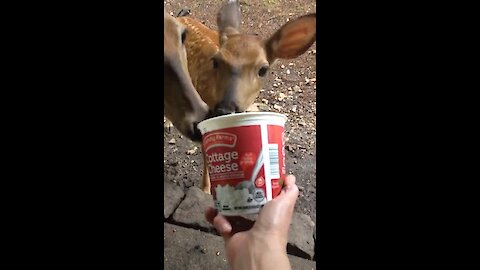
221,111
225,108
237,109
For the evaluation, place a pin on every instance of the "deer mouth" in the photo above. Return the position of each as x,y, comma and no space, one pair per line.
196,135
221,112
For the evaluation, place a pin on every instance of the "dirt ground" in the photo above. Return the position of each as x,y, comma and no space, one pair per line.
290,88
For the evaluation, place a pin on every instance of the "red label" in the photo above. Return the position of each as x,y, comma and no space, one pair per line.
219,139
233,155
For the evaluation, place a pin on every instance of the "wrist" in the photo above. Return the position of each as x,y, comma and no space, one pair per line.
269,240
270,252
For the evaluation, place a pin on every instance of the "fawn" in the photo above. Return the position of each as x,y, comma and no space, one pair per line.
227,67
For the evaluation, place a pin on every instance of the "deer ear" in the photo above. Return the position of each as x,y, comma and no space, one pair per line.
292,39
228,20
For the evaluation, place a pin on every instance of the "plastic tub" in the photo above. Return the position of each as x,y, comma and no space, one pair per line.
236,147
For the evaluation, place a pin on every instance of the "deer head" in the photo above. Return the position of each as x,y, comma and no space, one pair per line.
243,60
183,105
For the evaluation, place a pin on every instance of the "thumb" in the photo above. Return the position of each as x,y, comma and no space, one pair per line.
290,190
223,226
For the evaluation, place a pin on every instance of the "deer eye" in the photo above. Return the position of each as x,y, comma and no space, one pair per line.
215,63
263,71
184,36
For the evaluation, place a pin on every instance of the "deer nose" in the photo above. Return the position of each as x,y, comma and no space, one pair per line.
221,111
225,108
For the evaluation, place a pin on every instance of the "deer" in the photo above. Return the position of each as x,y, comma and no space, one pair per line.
183,105
228,67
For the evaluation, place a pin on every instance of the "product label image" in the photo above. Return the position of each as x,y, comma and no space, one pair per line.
246,166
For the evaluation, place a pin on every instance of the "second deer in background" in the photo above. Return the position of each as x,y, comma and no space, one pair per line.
183,105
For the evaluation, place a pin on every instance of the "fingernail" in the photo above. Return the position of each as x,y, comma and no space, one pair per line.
226,227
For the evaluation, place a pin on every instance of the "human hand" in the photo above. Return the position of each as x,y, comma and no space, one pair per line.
262,246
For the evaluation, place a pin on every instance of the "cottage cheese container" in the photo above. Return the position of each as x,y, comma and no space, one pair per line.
245,154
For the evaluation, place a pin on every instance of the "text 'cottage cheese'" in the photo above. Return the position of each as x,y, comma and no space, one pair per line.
245,156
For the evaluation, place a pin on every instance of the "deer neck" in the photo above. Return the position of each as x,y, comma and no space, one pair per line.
201,45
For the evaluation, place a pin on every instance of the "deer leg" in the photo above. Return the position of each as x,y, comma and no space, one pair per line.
205,177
